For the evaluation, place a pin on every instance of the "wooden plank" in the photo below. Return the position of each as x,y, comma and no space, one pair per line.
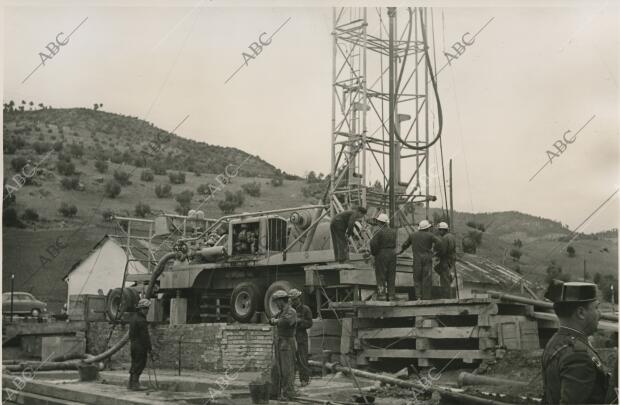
427,354
325,327
419,303
439,332
346,338
318,344
412,311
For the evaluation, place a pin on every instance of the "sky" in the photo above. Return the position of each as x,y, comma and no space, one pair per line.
534,73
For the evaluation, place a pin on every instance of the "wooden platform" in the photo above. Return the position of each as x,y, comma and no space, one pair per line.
444,329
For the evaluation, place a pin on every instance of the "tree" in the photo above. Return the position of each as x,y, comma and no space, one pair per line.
18,163
177,178
101,166
468,244
95,107
31,105
163,191
147,175
122,177
67,210
142,210
231,201
518,243
277,181
252,189
70,183
184,199
112,188
515,254
571,251
30,215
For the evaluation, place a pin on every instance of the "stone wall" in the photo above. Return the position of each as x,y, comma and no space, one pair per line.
205,346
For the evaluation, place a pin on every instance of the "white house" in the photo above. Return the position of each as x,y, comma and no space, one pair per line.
102,269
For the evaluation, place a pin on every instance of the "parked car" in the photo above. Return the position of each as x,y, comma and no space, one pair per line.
23,304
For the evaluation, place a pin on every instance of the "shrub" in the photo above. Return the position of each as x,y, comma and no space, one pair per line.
142,210
112,188
18,163
65,168
107,215
9,218
122,177
163,191
76,150
204,189
515,254
101,166
116,157
571,251
277,181
9,148
58,146
468,244
67,210
252,189
147,175
476,236
41,147
30,215
184,199
70,183
518,243
476,225
177,178
159,169
231,201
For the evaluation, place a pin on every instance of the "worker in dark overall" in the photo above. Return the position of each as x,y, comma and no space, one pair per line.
285,345
382,247
572,371
422,242
140,343
341,227
304,322
447,260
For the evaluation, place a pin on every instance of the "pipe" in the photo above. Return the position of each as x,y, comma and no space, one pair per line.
447,392
73,364
542,304
475,379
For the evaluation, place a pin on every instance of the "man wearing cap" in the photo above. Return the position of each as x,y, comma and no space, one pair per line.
341,227
285,345
140,343
382,247
573,373
422,242
304,322
447,259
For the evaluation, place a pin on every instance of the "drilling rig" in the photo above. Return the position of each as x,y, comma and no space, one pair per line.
383,93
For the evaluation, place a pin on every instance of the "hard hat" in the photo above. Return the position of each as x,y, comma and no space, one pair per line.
424,224
294,293
144,303
279,294
383,218
191,213
200,214
443,225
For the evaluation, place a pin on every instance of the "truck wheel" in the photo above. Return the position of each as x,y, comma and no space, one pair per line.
115,307
245,301
270,307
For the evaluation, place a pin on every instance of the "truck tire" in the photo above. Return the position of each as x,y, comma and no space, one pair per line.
245,301
270,307
114,304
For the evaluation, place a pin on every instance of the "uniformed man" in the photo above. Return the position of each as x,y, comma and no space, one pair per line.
422,242
382,247
140,343
573,373
304,322
341,227
447,259
285,345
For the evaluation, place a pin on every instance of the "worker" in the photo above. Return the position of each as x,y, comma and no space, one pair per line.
572,371
341,228
285,345
382,247
422,242
447,259
140,343
304,322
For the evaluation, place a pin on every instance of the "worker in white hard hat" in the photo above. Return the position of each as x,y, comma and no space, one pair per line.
140,343
285,347
304,322
447,259
382,247
422,243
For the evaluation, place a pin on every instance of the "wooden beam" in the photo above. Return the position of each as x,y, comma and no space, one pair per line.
427,354
412,311
438,332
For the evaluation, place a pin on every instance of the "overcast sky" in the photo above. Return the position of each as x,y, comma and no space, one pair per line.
531,75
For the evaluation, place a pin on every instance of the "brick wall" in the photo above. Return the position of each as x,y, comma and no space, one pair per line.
206,346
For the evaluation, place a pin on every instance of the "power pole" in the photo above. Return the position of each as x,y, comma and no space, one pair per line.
584,269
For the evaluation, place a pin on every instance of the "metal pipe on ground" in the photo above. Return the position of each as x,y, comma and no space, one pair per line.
537,303
446,392
475,379
73,364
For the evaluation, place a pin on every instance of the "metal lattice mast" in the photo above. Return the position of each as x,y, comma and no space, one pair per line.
362,103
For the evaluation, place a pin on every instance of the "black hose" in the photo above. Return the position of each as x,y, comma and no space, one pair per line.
434,83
